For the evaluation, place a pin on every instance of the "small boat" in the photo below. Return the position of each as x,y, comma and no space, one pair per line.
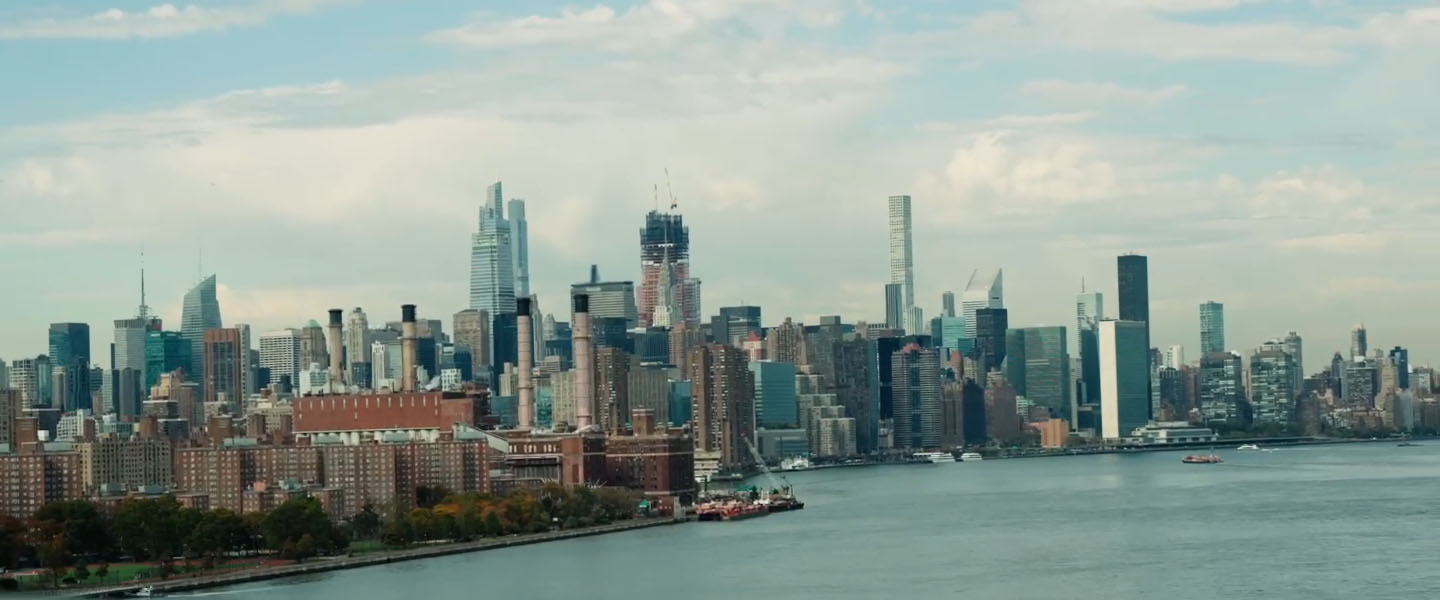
148,591
933,457
1407,444
1201,459
798,463
971,457
1248,447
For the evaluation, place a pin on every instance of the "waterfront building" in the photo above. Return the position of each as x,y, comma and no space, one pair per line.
1272,385
363,418
1175,432
723,402
1361,383
1124,377
1089,311
1041,368
991,330
1212,328
1221,388
915,379
1002,413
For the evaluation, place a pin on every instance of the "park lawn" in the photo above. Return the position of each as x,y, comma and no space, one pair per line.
120,573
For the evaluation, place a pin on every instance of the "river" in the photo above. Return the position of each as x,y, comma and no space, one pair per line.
1342,521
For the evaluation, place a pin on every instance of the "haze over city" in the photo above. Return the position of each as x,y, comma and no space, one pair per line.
1273,156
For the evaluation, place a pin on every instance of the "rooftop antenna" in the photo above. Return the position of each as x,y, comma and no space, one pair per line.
144,310
1082,284
657,197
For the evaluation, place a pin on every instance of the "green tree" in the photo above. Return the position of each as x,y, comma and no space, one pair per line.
81,572
12,541
79,522
149,528
54,554
429,496
102,570
366,523
492,524
295,519
305,548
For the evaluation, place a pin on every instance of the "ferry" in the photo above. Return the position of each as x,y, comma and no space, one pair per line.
1248,447
971,457
933,457
1201,459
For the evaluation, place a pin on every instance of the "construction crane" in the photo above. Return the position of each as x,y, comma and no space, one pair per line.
764,468
670,190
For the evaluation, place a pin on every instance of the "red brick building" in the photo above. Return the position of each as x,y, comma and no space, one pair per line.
30,479
355,419
659,462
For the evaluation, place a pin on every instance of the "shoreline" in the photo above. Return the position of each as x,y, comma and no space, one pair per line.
323,565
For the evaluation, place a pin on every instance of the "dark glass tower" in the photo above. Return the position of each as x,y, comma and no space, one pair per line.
70,351
1133,271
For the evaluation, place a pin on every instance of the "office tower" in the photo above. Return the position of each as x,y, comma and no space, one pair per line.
611,332
11,407
70,354
786,343
520,247
734,324
1272,385
1134,288
1222,387
723,403
991,325
947,304
610,299
129,362
775,404
472,330
973,421
984,290
666,287
224,368
915,377
31,377
357,340
1124,377
895,314
200,312
1212,328
1002,414
165,351
854,373
312,345
649,388
952,337
1400,357
1175,356
503,349
1358,345
251,363
902,261
492,267
1041,368
1089,311
280,354
1295,346
1169,386
4,376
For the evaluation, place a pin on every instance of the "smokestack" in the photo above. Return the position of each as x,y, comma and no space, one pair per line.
408,347
584,362
525,340
337,372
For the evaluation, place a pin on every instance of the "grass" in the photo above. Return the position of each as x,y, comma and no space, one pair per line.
120,573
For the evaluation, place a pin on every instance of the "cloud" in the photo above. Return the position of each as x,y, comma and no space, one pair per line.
1093,93
159,21
1324,190
1005,174
1008,122
1352,242
649,26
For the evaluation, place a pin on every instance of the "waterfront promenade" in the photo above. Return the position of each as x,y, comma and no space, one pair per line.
321,565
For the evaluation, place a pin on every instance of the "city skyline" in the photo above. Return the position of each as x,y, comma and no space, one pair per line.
1104,143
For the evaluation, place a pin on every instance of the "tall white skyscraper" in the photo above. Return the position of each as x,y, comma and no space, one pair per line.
985,290
519,247
902,259
1175,356
357,337
492,268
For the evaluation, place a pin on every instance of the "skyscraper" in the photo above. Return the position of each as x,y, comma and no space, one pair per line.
1124,378
520,247
902,262
201,311
1134,288
224,368
786,343
775,405
472,330
1272,385
1358,345
610,299
723,403
70,354
1222,387
1212,328
895,314
130,355
313,349
1044,368
915,377
734,324
492,266
357,340
1175,356
1295,346
1089,311
612,386
1400,357
947,304
665,272
984,290
991,326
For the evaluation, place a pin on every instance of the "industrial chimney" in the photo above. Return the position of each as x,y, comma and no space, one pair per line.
525,341
337,350
584,354
408,347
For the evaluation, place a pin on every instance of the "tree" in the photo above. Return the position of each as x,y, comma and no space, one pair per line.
79,522
149,528
54,555
492,524
304,548
428,496
102,570
217,533
295,519
366,523
12,541
81,572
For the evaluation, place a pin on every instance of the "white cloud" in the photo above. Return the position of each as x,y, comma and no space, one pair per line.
1092,93
160,21
1324,190
997,173
1007,122
1352,242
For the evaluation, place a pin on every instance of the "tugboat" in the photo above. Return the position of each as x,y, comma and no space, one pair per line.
1201,459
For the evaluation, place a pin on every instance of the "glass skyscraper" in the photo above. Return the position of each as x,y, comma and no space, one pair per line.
1212,328
1089,311
1042,368
492,266
775,403
902,260
984,290
70,356
201,311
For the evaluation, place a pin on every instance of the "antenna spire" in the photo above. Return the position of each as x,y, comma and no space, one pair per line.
1082,284
144,309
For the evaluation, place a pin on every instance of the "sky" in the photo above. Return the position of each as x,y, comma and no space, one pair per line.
1278,156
